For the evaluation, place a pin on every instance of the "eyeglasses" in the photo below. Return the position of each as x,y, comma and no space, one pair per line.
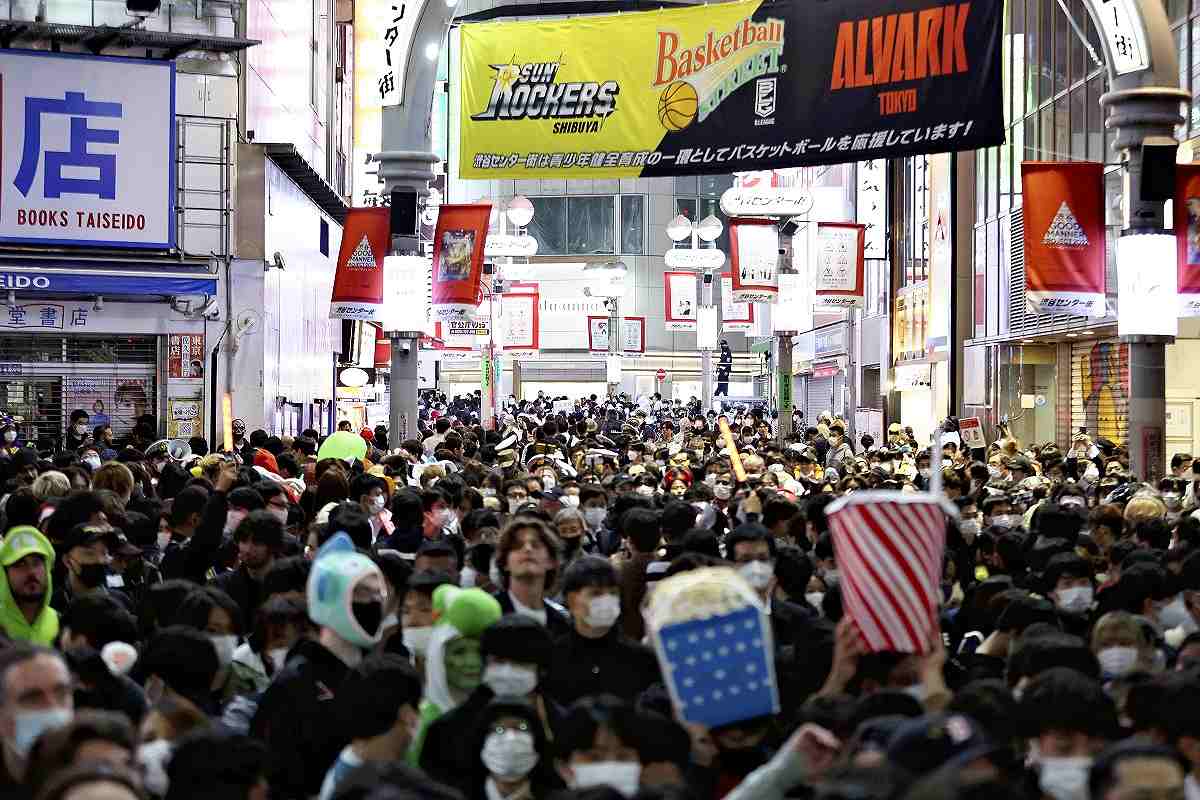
520,726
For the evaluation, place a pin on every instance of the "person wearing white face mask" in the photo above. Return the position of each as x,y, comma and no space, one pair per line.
1120,645
1070,578
371,494
516,653
597,746
594,657
380,698
1069,719
35,696
77,431
213,613
510,744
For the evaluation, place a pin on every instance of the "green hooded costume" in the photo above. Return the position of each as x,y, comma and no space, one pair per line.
461,614
21,541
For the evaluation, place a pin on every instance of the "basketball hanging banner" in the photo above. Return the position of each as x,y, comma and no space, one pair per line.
358,282
729,87
1187,237
754,257
458,259
1064,237
679,291
839,276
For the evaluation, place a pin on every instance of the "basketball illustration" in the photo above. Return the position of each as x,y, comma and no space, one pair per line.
677,106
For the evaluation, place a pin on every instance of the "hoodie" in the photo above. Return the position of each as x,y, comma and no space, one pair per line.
21,541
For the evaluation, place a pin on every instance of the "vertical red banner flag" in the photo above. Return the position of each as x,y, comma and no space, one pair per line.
358,282
1187,237
458,259
839,278
1064,237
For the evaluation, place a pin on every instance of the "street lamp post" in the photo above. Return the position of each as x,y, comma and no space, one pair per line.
707,230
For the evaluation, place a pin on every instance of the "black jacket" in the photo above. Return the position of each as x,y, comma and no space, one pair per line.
803,651
299,721
193,559
245,591
609,665
558,621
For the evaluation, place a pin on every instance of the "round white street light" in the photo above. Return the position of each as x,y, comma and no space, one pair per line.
679,228
709,229
520,211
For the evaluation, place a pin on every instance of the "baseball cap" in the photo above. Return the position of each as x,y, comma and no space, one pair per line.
923,744
24,540
84,534
436,547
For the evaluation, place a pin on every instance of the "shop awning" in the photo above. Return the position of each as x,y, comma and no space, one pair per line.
135,279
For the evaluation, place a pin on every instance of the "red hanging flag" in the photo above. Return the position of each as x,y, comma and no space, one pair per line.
888,547
358,282
1064,237
1187,237
458,259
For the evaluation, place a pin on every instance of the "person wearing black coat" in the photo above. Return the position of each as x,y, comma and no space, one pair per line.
503,717
259,540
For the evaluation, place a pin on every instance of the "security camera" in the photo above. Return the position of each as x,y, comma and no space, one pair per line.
279,261
211,309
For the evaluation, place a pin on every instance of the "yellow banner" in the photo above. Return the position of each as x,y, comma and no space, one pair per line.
595,96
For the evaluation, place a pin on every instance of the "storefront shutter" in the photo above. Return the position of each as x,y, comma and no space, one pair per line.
45,378
820,398
1100,389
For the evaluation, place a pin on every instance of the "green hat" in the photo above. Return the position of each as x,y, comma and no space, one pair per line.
24,540
468,610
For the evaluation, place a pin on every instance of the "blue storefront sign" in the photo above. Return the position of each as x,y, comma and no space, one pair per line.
106,284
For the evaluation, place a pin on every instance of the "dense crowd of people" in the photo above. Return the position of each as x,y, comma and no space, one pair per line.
464,614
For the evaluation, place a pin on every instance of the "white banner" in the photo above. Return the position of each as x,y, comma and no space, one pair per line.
755,272
735,317
680,290
88,150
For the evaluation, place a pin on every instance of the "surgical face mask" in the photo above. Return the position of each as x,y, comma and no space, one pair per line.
624,776
509,755
510,679
571,500
969,529
164,539
93,462
487,492
513,505
1066,777
447,518
468,577
1006,520
757,573
549,481
645,491
278,657
232,519
711,479
832,576
594,517
416,639
1117,661
916,691
814,599
225,646
10,436
631,455
153,758
80,429
722,491
603,611
29,725
1075,599
378,504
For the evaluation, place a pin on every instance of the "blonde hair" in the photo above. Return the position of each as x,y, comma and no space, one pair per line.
1143,507
51,484
115,477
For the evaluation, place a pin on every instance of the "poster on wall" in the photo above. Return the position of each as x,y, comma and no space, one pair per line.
680,291
358,281
519,320
754,260
184,418
458,243
1064,237
839,273
735,317
185,355
729,87
632,341
1186,210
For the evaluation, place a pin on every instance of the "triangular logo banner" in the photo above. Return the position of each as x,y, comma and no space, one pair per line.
1065,230
362,257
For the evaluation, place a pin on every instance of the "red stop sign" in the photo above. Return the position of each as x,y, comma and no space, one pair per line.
661,375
